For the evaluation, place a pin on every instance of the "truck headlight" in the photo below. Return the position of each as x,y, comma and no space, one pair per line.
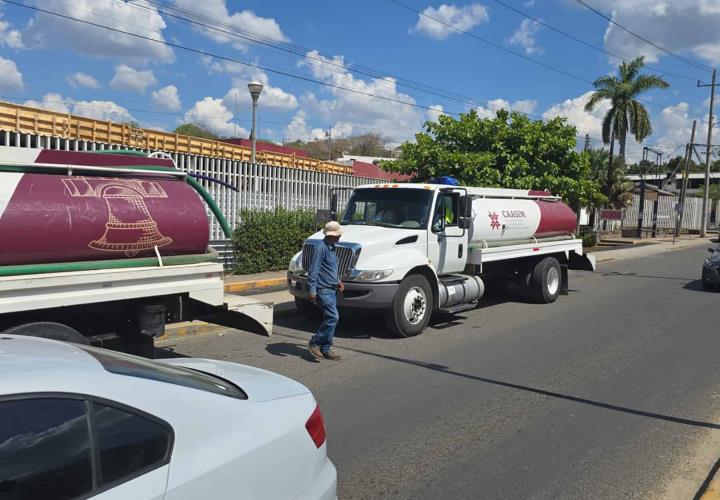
296,263
372,275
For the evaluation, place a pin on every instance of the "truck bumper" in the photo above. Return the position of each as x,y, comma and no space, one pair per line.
356,295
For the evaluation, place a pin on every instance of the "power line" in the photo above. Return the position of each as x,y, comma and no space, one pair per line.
491,43
244,63
224,58
257,66
650,42
583,42
505,49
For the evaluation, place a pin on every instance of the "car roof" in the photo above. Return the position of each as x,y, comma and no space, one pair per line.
21,355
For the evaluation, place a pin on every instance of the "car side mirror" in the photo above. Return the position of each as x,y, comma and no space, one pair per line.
711,250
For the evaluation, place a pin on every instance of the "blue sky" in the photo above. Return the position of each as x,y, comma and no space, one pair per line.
57,63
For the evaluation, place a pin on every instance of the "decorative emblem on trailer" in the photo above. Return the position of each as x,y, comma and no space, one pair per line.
494,220
130,227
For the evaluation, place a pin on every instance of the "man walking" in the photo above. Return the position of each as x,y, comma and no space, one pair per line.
323,284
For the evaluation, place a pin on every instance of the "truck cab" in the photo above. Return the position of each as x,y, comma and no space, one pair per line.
413,249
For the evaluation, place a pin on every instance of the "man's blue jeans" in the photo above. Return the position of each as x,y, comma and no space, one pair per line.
326,301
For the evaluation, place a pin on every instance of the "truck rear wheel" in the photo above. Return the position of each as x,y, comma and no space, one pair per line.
411,307
48,330
545,281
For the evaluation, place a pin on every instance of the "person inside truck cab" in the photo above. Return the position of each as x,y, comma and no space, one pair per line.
445,211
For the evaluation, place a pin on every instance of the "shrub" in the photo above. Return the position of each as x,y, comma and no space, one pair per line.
266,240
589,240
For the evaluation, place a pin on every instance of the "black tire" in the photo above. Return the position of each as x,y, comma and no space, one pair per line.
307,308
395,317
48,330
546,281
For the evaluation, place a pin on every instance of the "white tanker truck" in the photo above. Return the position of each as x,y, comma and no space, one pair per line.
414,249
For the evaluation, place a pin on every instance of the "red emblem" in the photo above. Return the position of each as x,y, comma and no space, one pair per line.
494,220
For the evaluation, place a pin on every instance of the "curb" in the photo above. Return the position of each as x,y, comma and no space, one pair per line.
712,491
257,286
189,329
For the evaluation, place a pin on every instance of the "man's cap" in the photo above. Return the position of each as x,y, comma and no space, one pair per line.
332,228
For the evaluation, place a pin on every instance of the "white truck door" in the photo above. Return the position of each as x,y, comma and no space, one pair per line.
447,243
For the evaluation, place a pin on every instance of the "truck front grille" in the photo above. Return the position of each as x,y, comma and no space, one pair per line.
346,257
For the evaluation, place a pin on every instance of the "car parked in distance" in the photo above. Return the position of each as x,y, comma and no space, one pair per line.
711,270
79,422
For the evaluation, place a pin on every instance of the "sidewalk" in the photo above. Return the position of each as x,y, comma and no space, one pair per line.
270,287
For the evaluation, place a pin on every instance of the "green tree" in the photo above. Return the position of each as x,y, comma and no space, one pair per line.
510,151
627,113
194,130
618,195
714,192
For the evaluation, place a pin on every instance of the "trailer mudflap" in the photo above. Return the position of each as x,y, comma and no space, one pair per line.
581,262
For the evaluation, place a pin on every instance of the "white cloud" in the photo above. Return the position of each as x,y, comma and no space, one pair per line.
10,77
127,78
102,110
463,18
526,106
212,115
394,120
434,112
574,111
524,36
687,27
79,79
166,98
246,20
99,110
51,101
45,30
9,38
298,129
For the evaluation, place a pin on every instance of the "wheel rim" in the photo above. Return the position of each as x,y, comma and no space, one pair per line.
415,305
552,281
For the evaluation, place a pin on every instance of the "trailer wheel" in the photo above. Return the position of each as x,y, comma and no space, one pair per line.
307,308
48,330
411,308
545,281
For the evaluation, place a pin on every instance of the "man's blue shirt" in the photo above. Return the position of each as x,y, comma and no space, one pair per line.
323,272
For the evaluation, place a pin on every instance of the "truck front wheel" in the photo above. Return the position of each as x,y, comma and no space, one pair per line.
48,330
411,308
545,281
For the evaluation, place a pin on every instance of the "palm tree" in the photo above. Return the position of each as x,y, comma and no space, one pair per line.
626,113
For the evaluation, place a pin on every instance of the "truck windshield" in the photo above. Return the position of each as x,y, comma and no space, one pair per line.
389,207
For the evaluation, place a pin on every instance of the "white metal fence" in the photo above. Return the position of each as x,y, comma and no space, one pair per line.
666,215
259,186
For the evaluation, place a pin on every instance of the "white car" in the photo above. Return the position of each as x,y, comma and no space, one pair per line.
78,422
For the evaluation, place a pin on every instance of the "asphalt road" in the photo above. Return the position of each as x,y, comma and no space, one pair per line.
611,392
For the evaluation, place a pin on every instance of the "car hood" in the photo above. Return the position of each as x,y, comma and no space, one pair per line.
259,385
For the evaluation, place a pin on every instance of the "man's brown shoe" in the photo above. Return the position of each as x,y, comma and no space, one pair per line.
332,355
315,351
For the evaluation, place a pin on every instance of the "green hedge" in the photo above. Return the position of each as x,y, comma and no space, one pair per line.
266,240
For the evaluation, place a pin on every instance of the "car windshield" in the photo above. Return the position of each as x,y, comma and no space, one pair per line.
131,366
389,207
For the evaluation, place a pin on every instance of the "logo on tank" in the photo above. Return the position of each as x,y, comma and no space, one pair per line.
130,228
494,220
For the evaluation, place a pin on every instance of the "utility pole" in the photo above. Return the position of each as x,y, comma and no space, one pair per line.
658,161
706,194
579,207
608,181
683,189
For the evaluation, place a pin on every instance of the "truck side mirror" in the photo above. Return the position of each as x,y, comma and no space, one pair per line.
711,250
333,205
323,216
465,222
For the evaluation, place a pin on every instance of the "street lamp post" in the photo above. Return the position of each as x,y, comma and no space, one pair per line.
255,89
